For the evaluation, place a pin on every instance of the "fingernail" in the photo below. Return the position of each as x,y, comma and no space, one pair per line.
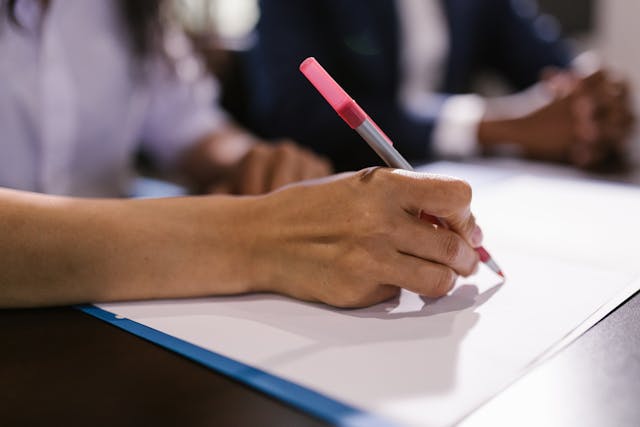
476,237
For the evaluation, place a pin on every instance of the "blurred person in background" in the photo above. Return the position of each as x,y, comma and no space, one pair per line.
412,64
87,84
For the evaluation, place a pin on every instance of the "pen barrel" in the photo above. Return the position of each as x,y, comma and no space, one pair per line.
382,146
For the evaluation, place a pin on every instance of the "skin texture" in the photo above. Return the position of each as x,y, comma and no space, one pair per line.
349,241
588,121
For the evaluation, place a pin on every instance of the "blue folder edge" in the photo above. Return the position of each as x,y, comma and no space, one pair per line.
307,400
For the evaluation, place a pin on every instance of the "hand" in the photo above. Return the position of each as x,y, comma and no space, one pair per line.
549,133
610,93
232,161
612,113
556,131
349,240
587,122
606,111
356,239
266,167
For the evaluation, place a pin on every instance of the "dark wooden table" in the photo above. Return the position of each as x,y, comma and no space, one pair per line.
62,367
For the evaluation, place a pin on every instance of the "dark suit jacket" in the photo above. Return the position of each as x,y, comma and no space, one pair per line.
357,42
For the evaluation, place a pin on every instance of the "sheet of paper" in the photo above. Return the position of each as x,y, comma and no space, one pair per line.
567,249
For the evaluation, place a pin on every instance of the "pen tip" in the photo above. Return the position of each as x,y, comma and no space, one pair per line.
494,267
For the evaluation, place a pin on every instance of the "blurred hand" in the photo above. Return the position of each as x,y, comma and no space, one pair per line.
556,130
232,161
602,112
612,111
354,240
587,122
266,167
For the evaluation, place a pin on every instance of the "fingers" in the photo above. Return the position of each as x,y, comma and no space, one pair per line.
611,105
585,126
287,165
365,227
220,188
603,119
267,167
436,244
255,171
314,166
586,155
400,272
444,197
422,277
292,163
614,113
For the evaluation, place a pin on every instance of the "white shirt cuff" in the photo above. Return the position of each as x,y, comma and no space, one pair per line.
517,104
456,131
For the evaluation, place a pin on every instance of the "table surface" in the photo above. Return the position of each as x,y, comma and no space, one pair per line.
60,366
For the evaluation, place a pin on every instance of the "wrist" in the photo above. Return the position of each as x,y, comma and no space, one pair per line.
261,244
181,247
495,132
220,244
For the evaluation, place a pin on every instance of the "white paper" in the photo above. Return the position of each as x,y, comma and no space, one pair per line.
567,249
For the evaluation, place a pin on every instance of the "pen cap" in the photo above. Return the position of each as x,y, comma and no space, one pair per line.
342,103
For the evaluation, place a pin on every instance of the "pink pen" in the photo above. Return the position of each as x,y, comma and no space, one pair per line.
357,119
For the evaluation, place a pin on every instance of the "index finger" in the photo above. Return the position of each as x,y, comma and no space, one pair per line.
444,197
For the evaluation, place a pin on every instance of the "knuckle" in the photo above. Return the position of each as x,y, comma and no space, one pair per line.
252,153
355,273
325,161
323,166
469,227
370,174
384,226
473,223
463,190
451,248
257,152
287,147
442,281
261,147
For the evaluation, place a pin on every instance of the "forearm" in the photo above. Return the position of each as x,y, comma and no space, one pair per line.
62,251
341,240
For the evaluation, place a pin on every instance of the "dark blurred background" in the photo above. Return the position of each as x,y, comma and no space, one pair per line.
607,27
575,16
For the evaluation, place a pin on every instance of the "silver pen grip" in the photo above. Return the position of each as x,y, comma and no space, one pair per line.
381,145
